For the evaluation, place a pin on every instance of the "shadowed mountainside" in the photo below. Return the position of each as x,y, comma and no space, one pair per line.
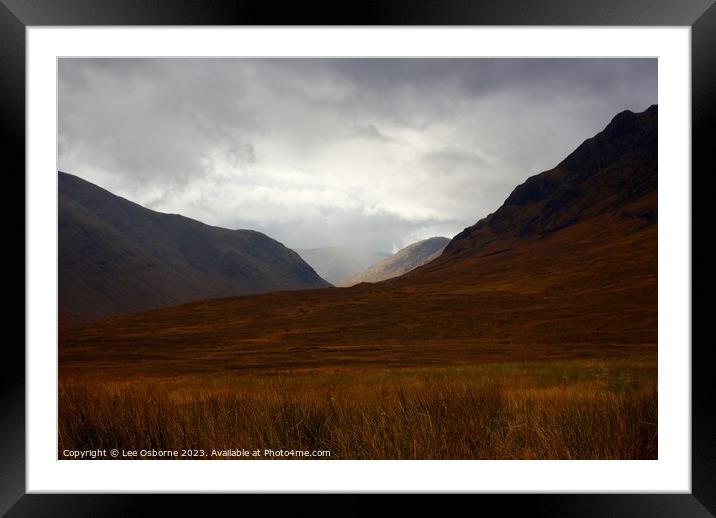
566,268
116,257
335,263
401,262
606,172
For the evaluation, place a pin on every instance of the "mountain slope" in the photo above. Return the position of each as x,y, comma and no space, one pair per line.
607,171
401,262
116,256
566,268
335,263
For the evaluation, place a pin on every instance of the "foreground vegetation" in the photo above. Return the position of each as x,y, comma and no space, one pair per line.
575,409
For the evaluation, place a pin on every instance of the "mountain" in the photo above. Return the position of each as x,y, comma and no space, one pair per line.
116,257
335,263
566,268
605,172
401,262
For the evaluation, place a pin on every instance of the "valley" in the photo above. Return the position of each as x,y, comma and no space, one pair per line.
532,335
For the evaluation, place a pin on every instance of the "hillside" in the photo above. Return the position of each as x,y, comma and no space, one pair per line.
116,257
566,268
401,262
335,263
605,173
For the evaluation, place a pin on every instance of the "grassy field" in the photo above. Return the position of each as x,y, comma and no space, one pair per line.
559,409
542,350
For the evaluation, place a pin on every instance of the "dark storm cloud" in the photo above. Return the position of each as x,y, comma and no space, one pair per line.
317,152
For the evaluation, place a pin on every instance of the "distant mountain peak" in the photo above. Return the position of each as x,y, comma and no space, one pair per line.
403,261
335,263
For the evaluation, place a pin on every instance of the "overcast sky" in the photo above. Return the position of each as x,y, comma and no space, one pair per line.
366,153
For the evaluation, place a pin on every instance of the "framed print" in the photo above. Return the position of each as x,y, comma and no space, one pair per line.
426,249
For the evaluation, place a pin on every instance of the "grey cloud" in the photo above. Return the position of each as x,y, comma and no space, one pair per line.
319,152
448,159
382,231
368,131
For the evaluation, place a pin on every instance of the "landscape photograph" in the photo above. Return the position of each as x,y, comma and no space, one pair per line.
357,258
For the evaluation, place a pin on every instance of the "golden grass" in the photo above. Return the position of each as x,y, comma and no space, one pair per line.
568,409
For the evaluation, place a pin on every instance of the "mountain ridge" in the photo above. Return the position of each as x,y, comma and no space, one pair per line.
335,263
401,262
117,256
582,183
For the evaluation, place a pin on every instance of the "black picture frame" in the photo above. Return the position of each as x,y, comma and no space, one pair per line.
17,15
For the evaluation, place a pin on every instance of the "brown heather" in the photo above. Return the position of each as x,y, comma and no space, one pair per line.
577,409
